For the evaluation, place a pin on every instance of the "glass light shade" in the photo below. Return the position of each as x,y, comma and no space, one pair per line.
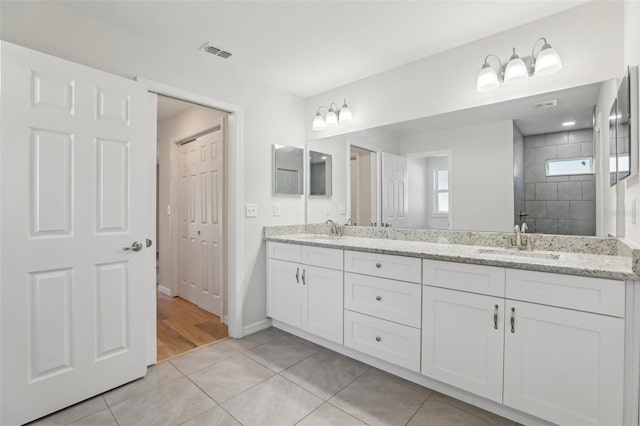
331,119
345,114
547,62
318,122
516,70
487,79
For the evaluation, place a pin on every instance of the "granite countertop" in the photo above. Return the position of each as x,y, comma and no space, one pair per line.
588,265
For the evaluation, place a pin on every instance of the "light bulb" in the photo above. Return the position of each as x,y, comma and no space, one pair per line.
516,69
345,113
547,62
487,79
318,122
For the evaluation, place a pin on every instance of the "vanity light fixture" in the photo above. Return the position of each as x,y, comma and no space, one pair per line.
333,117
546,62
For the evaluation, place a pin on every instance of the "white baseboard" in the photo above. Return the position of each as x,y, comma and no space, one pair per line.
164,290
256,326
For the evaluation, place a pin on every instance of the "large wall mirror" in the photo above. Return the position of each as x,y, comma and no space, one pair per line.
288,170
536,160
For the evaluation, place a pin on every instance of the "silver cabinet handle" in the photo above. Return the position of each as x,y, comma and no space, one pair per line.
378,338
378,265
303,281
298,275
136,246
378,298
513,320
495,317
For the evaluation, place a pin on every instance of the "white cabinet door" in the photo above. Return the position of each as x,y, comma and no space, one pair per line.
76,172
463,340
285,292
322,305
562,365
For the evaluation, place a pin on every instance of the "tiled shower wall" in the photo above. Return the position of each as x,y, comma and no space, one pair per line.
518,175
559,204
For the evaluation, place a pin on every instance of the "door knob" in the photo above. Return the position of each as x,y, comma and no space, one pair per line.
136,246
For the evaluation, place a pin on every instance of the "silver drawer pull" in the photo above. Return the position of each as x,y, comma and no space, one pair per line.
378,265
378,298
495,317
378,338
513,320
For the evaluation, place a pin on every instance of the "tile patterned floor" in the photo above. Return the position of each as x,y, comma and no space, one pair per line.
270,378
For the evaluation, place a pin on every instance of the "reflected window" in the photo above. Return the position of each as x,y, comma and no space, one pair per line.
441,191
570,166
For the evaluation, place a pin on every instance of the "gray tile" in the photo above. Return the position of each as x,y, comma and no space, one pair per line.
546,191
204,357
276,401
581,178
558,209
589,190
577,227
101,418
556,179
583,210
215,416
536,209
328,415
569,191
74,413
157,375
584,135
534,141
586,148
546,226
280,353
570,150
376,400
324,374
436,413
530,191
544,153
228,378
255,339
490,417
529,158
534,173
399,380
169,404
556,138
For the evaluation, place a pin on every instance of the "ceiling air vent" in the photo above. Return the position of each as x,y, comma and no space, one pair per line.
218,52
546,104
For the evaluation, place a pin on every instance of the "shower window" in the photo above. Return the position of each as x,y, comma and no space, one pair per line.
570,166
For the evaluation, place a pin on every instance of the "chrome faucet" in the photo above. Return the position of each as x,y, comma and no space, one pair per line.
334,227
521,241
349,222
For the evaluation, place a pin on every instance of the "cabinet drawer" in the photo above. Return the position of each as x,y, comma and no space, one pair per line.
283,251
398,344
480,279
383,298
323,257
596,295
383,265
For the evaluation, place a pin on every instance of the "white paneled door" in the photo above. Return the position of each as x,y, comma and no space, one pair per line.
201,251
77,191
394,190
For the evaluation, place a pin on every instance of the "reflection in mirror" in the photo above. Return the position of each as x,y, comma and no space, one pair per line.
623,130
364,186
531,160
613,129
288,165
319,174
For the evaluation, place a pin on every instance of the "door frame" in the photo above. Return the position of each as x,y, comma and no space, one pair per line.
234,188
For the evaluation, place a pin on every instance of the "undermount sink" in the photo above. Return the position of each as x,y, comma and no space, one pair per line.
518,253
321,237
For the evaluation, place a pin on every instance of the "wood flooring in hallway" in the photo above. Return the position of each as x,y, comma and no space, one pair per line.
183,326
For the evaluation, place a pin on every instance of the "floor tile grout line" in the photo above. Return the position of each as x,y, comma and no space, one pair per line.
310,413
419,408
110,411
346,412
444,401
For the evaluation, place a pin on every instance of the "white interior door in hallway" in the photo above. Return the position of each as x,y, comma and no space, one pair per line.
77,199
394,190
201,250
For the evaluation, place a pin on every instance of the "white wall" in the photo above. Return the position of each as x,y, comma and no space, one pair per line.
632,57
270,115
481,174
177,128
587,38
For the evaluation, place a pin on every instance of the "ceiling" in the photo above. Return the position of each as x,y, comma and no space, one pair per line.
308,47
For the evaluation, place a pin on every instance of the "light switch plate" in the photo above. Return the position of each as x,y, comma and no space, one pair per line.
276,209
251,210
